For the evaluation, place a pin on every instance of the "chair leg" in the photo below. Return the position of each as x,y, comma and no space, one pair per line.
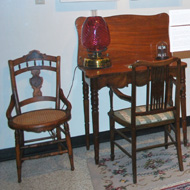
178,147
69,146
166,130
22,143
112,126
134,155
18,154
58,133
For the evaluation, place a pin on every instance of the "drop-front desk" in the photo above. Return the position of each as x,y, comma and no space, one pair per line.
133,37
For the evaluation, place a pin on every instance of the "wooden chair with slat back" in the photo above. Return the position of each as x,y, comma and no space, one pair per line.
38,70
158,109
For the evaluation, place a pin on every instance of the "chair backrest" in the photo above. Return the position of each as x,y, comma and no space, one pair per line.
156,76
34,68
133,37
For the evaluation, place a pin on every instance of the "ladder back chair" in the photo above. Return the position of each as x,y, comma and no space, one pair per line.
158,109
36,108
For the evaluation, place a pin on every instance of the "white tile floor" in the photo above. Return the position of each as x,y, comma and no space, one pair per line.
51,173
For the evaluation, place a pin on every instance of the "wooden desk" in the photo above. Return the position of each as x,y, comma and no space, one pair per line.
133,37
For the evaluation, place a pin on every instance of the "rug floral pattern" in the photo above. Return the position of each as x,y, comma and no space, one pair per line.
156,168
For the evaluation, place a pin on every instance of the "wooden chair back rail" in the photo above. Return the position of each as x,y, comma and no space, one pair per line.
34,61
22,70
35,56
37,99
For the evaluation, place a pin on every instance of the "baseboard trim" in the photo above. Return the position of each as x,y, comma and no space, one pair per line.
79,141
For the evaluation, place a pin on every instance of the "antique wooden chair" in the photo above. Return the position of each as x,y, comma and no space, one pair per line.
159,108
33,110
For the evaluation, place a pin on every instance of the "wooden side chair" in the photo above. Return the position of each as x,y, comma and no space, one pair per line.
159,108
24,113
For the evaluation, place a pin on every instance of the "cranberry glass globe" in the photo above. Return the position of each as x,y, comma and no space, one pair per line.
95,34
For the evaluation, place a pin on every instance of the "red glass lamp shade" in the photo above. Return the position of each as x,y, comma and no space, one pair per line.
95,34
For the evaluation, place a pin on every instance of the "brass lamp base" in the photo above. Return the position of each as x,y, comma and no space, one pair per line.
96,63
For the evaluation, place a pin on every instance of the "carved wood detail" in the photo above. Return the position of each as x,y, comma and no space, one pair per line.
36,82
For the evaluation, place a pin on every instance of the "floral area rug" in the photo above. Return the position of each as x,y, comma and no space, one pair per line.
181,186
157,169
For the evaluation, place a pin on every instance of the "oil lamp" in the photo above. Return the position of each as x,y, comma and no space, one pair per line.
95,38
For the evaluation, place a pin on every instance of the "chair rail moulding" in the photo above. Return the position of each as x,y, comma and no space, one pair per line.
69,1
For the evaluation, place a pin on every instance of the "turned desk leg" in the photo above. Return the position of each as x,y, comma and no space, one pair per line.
183,105
86,111
95,118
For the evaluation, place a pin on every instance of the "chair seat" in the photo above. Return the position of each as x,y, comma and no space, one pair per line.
125,115
39,120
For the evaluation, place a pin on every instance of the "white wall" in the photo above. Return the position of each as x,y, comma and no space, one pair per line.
50,28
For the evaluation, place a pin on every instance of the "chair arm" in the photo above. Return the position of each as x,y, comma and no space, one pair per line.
121,95
10,107
65,100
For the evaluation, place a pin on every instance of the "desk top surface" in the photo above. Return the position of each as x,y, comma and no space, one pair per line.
114,69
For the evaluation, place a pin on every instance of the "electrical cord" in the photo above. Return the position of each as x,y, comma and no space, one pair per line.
71,84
